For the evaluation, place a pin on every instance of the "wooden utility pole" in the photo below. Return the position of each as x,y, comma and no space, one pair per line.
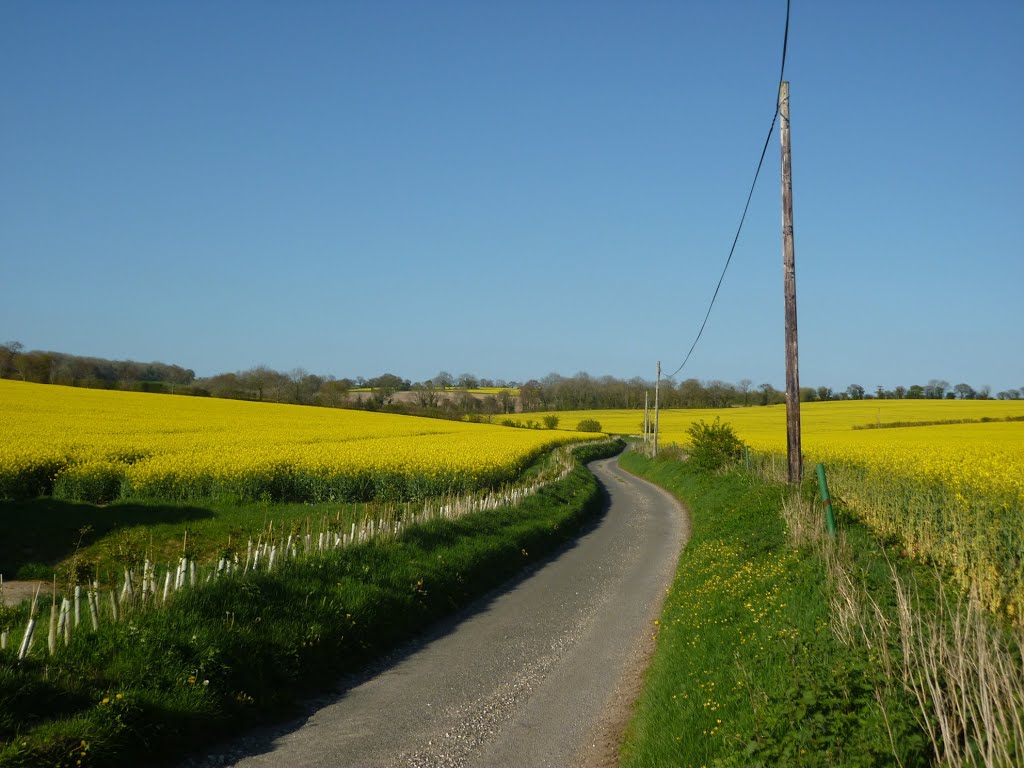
657,389
789,275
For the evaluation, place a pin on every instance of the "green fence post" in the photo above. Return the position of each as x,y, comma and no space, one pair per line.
826,500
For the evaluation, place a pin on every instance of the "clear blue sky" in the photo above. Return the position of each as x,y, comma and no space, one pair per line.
512,189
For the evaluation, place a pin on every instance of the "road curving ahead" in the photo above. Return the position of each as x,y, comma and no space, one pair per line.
542,672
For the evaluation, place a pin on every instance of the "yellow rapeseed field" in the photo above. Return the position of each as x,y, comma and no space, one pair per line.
95,444
983,455
952,494
764,428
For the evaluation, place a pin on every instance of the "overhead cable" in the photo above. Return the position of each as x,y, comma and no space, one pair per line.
764,150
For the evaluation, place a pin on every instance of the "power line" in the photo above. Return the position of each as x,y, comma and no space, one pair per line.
764,150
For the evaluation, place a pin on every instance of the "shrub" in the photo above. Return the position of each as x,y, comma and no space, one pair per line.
589,425
551,422
713,445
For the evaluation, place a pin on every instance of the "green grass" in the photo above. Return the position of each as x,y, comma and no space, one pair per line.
42,535
243,649
747,671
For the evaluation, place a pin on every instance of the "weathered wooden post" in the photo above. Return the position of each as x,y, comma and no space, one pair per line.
789,276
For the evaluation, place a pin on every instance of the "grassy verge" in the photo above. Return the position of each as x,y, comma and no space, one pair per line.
747,670
241,650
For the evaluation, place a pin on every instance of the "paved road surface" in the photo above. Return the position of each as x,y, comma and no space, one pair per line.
543,673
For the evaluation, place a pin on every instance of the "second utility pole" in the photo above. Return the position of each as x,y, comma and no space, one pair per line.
789,275
647,421
657,388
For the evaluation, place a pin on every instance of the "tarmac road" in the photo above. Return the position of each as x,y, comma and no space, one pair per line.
543,672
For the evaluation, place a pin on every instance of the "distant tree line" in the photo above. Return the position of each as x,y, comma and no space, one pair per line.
444,395
93,372
585,392
935,389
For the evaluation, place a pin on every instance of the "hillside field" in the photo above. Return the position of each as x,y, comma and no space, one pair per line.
100,445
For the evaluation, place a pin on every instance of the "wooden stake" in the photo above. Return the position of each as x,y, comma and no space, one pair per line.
789,279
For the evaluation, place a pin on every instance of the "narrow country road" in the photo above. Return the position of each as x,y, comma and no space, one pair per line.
541,673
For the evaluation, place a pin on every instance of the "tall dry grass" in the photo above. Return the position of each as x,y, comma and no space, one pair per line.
961,665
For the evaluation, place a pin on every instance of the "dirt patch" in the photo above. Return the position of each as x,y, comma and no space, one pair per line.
16,591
